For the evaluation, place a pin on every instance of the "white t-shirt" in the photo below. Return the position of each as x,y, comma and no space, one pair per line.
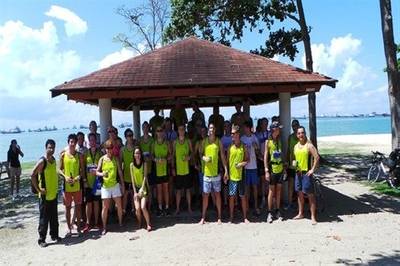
250,142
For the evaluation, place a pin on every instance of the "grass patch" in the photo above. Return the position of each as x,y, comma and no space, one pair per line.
27,165
384,188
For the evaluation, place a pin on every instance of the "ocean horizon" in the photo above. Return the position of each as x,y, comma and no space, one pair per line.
32,143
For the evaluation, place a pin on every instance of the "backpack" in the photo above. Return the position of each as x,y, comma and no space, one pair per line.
42,181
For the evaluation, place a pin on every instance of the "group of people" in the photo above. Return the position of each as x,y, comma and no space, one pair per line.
174,158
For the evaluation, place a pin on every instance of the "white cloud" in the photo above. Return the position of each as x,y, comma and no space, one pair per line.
74,25
116,57
31,62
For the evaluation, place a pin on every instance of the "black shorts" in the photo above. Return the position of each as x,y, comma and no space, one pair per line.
183,181
276,179
260,168
162,179
128,186
89,197
291,173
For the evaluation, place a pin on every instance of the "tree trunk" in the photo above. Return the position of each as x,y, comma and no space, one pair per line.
309,65
392,70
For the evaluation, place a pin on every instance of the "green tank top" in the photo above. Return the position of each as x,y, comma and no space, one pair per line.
275,156
50,180
138,175
181,151
292,142
236,155
112,169
301,155
146,149
127,158
211,150
71,167
161,152
91,163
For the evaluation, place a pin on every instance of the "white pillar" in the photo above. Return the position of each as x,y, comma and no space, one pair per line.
285,120
105,117
136,120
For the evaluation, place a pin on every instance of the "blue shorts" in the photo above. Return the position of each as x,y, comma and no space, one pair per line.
211,184
252,177
235,186
304,183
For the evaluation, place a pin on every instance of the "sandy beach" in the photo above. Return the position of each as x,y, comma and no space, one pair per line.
359,227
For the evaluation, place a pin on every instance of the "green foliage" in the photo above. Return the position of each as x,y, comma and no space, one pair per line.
384,188
225,21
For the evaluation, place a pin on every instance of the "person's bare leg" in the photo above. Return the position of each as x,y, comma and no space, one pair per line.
300,199
166,194
178,200
255,194
118,204
244,209
231,208
271,196
205,206
263,191
138,213
219,207
290,189
77,210
145,213
189,200
12,181
159,196
89,211
125,201
313,208
68,217
17,181
96,209
278,196
104,213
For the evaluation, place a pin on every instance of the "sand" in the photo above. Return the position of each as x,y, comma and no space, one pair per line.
358,227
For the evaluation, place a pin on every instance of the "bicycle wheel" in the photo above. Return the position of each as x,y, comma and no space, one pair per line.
319,196
374,173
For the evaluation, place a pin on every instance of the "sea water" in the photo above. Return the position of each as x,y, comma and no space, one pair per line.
32,143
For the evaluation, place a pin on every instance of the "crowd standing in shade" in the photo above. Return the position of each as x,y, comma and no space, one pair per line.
238,165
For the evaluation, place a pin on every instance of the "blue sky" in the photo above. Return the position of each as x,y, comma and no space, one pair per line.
44,43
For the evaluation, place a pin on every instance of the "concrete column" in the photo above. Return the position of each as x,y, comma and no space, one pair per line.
285,120
105,117
136,120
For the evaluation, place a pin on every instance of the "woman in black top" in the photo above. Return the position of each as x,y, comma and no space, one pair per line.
14,165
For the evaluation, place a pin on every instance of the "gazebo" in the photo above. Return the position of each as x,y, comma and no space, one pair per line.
192,69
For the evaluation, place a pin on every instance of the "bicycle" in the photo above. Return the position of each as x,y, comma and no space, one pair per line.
377,168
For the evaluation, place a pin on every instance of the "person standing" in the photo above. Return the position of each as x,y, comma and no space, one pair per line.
138,172
162,154
71,169
291,171
237,159
93,129
113,186
126,158
251,174
45,181
218,120
178,114
14,166
92,157
146,143
170,134
211,150
156,121
197,115
262,135
304,182
273,160
182,153
239,117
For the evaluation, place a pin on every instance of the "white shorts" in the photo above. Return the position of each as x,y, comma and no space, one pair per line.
113,192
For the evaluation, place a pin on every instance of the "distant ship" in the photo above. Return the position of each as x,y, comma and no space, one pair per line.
11,131
45,129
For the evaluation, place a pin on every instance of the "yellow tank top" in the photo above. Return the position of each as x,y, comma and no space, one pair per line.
301,155
161,152
127,158
71,168
91,163
109,166
211,150
181,151
236,155
50,180
275,156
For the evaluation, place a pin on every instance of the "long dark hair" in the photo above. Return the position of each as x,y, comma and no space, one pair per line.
141,156
11,144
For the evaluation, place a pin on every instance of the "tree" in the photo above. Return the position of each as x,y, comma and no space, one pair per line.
147,23
225,21
392,70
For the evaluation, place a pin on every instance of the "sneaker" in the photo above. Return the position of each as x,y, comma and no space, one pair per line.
269,217
56,239
278,215
86,228
159,213
42,243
